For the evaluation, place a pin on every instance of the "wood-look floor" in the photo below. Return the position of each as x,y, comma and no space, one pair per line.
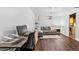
57,44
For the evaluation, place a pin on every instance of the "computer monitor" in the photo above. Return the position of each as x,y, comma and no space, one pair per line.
21,29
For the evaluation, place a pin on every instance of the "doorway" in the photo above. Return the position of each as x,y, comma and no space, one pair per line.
72,21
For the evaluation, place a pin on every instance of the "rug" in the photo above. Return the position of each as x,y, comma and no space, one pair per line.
51,36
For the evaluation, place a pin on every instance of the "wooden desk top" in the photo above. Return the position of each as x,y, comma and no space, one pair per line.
16,44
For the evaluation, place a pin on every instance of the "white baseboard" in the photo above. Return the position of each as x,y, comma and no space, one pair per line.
77,39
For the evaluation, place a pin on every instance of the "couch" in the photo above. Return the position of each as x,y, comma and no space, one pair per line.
49,30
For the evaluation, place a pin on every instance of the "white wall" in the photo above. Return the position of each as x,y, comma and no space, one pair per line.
65,22
77,24
65,25
10,17
45,21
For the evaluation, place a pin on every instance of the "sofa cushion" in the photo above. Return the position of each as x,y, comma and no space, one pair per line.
45,28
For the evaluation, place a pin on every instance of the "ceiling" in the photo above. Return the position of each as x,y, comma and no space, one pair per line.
51,11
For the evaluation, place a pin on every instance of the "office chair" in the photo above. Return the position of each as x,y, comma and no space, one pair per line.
30,44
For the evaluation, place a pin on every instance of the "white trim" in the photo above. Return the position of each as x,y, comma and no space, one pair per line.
77,39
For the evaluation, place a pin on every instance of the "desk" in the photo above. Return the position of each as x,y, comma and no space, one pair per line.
18,44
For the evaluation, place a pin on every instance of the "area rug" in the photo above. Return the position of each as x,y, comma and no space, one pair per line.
51,36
